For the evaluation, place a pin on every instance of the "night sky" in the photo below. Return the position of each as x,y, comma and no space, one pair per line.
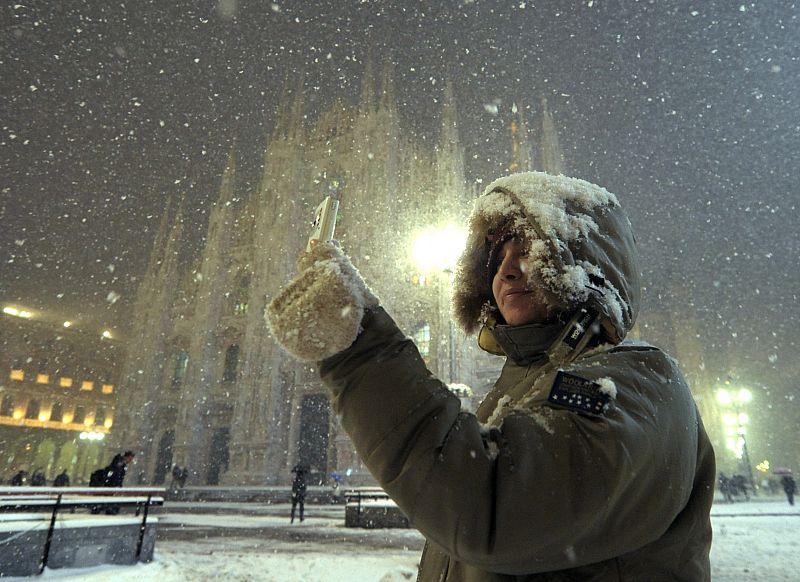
688,111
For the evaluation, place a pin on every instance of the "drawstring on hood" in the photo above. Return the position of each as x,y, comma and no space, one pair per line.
580,249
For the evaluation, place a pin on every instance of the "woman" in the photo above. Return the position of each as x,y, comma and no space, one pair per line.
586,461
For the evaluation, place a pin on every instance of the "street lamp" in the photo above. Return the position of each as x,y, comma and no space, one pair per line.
735,424
435,251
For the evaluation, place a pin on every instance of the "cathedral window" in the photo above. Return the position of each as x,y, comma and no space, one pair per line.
422,337
181,365
108,388
17,374
100,416
65,382
239,295
231,363
87,385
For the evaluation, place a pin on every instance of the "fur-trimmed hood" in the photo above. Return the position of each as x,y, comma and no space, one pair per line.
580,248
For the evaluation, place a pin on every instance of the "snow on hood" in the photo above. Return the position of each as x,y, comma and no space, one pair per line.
580,245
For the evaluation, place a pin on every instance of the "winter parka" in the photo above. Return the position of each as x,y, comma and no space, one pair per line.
587,461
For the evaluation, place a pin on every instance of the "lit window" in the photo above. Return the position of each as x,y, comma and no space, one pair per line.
65,382
42,378
17,375
87,385
108,388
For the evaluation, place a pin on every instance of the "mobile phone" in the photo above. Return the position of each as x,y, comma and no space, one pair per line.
324,221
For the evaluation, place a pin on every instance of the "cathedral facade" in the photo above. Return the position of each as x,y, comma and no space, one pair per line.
204,385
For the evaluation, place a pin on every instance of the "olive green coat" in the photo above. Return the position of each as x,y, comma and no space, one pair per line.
543,493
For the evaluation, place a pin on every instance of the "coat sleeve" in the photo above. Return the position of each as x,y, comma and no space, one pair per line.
570,491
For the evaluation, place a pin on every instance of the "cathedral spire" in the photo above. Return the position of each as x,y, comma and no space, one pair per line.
295,127
282,113
450,156
521,150
550,154
227,189
449,133
367,102
387,96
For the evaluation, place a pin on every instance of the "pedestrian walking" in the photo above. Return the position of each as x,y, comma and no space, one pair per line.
113,475
61,480
789,487
38,479
298,490
20,478
725,487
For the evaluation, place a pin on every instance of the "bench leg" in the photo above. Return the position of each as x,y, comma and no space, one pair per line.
50,534
142,529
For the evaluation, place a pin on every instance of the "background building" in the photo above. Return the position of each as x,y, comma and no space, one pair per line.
58,386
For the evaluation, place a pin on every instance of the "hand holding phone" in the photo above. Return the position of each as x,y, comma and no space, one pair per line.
324,222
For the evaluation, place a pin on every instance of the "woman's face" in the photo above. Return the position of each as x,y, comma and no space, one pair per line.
519,304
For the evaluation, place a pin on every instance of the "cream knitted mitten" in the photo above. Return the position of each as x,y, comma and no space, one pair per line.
318,314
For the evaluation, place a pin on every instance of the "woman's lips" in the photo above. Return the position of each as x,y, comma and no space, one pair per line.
516,293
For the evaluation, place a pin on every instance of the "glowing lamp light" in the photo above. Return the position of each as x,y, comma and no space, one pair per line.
724,397
106,334
727,397
8,310
438,249
67,323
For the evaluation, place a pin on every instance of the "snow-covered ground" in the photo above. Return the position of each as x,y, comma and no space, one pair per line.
757,541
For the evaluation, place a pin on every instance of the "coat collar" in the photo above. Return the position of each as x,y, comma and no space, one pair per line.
526,344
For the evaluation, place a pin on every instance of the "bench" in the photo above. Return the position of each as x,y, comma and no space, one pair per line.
39,527
371,507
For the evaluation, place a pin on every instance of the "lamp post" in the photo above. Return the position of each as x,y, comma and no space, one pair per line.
735,424
435,252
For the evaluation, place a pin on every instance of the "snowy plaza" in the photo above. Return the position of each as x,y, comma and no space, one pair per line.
753,542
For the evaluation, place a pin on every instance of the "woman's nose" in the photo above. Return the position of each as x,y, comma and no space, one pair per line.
509,268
